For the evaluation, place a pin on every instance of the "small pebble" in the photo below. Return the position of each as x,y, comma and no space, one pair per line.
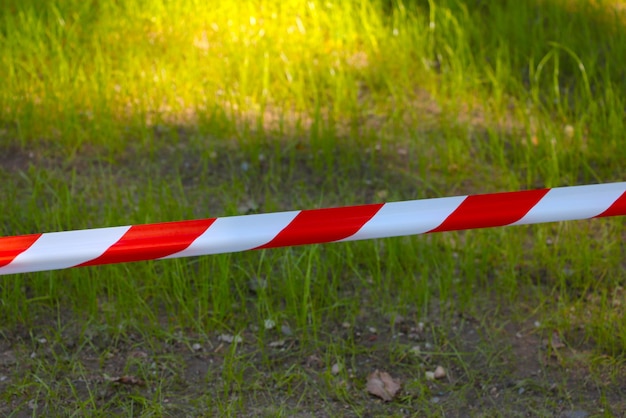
227,338
256,284
575,414
335,369
430,376
286,330
372,330
277,344
269,324
439,373
196,347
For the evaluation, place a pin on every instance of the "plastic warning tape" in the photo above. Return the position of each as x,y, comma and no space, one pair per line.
59,250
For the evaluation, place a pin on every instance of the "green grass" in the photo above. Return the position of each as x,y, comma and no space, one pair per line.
116,113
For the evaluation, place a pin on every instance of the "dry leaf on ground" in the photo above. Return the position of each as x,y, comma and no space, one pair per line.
384,386
556,342
126,380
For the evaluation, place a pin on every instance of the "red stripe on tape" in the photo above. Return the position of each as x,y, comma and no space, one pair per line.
495,209
323,225
147,242
616,209
11,247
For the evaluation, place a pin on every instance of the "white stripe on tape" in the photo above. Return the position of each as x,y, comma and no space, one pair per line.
570,203
59,250
238,233
408,218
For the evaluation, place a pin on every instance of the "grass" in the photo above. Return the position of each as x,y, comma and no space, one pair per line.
124,113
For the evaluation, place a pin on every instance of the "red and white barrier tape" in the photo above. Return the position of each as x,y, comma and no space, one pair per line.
59,250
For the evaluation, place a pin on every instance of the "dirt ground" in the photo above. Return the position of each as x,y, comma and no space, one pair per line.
493,367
